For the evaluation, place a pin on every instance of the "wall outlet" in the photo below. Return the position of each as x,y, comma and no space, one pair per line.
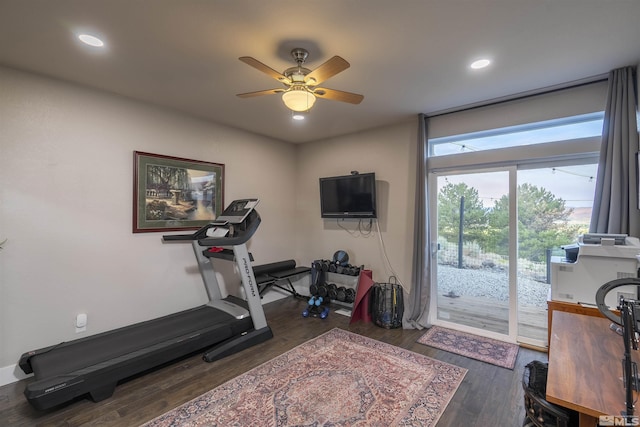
81,322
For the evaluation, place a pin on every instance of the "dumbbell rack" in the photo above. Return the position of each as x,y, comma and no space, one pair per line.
348,282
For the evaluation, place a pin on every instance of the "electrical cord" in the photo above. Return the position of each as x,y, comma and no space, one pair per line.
352,233
384,252
365,231
361,230
368,231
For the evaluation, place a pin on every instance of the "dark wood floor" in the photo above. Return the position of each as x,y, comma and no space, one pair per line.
488,396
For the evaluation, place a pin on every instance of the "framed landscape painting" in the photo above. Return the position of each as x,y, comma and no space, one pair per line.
172,193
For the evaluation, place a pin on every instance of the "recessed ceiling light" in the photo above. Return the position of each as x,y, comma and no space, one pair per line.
480,63
91,40
298,116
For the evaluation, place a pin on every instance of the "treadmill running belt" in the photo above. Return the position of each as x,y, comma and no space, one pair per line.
109,345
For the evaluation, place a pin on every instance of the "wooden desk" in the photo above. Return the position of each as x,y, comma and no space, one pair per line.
569,307
585,368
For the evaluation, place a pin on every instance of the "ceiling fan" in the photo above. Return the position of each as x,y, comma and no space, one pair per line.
301,84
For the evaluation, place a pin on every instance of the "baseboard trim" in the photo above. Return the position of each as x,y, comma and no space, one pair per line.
11,374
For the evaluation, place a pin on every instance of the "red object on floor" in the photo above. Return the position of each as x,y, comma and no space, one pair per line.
360,309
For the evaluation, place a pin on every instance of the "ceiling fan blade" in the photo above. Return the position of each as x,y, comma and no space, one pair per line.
338,95
260,92
329,69
265,69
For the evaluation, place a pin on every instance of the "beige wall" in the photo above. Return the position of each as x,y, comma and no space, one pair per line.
390,153
66,166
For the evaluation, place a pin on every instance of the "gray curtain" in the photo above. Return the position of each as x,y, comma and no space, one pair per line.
417,307
615,205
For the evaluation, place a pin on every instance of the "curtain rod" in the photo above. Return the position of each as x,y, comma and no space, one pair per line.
522,95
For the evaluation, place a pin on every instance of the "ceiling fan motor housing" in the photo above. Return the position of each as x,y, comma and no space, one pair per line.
299,55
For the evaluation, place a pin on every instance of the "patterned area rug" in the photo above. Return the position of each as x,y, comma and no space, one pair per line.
337,379
485,349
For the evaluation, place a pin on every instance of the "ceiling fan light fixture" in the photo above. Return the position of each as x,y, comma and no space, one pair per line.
298,100
300,84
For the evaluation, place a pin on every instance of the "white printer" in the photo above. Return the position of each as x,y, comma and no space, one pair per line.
595,260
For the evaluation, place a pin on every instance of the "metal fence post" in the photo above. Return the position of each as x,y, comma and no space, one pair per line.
548,256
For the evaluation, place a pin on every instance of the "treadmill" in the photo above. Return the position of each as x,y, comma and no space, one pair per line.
95,365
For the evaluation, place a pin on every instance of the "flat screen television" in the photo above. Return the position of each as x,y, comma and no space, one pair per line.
349,196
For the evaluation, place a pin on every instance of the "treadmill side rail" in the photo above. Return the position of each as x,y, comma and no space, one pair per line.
236,344
229,308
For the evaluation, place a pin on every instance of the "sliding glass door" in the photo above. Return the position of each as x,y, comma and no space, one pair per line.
473,263
496,230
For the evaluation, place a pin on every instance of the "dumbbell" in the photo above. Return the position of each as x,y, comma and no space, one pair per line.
332,291
351,295
323,290
307,310
342,294
313,301
313,289
324,313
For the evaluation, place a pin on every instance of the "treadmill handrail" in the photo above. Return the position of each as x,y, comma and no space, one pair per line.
201,233
243,233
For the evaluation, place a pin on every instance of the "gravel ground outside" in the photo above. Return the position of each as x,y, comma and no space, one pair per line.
488,283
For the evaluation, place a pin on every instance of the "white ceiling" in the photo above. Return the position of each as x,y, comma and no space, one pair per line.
406,56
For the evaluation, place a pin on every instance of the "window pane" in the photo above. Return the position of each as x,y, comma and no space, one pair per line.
554,207
473,264
565,129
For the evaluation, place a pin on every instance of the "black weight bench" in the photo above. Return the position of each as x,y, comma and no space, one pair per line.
273,274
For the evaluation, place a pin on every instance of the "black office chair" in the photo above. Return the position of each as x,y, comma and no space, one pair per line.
539,412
